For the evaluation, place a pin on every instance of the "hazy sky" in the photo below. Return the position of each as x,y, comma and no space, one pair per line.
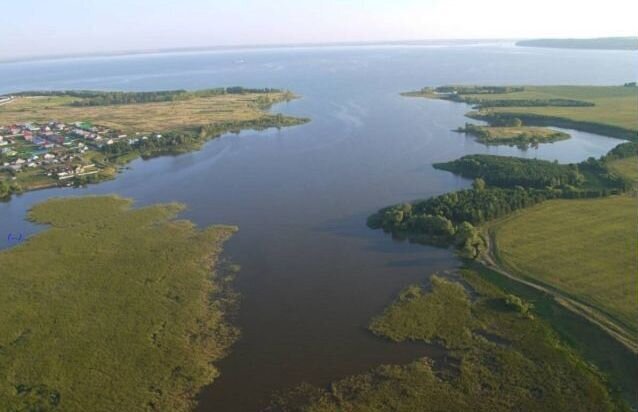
42,27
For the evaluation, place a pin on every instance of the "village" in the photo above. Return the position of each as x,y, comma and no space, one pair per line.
55,150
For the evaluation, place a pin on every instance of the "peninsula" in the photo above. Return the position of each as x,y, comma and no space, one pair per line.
69,138
607,110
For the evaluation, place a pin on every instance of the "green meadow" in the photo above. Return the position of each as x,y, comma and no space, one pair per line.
627,167
585,249
608,110
613,105
111,308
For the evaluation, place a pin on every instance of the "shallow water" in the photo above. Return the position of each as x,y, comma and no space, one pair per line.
312,274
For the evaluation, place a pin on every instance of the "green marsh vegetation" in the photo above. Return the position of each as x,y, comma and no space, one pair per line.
112,308
500,358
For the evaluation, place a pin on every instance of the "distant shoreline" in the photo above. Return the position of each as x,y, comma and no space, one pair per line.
600,43
135,52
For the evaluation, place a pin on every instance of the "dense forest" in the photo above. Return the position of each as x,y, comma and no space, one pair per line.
106,98
622,151
506,171
501,186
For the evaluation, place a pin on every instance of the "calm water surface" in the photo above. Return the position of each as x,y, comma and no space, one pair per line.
312,274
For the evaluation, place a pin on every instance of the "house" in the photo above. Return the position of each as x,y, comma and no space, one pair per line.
39,141
55,138
28,135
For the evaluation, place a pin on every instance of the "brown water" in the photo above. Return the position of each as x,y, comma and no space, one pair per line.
312,274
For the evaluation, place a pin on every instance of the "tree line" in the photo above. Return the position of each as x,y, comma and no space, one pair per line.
507,171
107,98
179,141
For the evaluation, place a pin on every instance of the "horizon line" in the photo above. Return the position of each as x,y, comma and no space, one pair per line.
187,49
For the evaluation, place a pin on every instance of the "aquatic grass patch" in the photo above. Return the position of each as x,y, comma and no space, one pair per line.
111,308
530,369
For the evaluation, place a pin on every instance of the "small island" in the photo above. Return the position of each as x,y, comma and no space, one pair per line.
67,138
517,134
112,308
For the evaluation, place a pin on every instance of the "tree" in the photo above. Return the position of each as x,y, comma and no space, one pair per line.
478,184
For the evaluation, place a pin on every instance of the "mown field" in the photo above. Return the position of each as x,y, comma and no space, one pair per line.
111,309
499,358
583,248
613,105
144,117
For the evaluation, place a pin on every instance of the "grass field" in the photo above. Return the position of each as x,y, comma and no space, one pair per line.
613,105
111,309
627,167
583,248
615,108
144,117
499,358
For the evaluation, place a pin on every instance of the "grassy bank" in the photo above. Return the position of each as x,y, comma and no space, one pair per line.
584,248
500,358
608,110
111,308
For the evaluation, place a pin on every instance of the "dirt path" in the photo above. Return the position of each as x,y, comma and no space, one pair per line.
489,260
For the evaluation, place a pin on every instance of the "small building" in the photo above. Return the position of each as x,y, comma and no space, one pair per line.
55,138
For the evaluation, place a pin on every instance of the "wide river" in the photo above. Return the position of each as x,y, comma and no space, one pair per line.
312,273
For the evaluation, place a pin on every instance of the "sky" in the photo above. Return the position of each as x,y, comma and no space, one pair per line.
46,27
